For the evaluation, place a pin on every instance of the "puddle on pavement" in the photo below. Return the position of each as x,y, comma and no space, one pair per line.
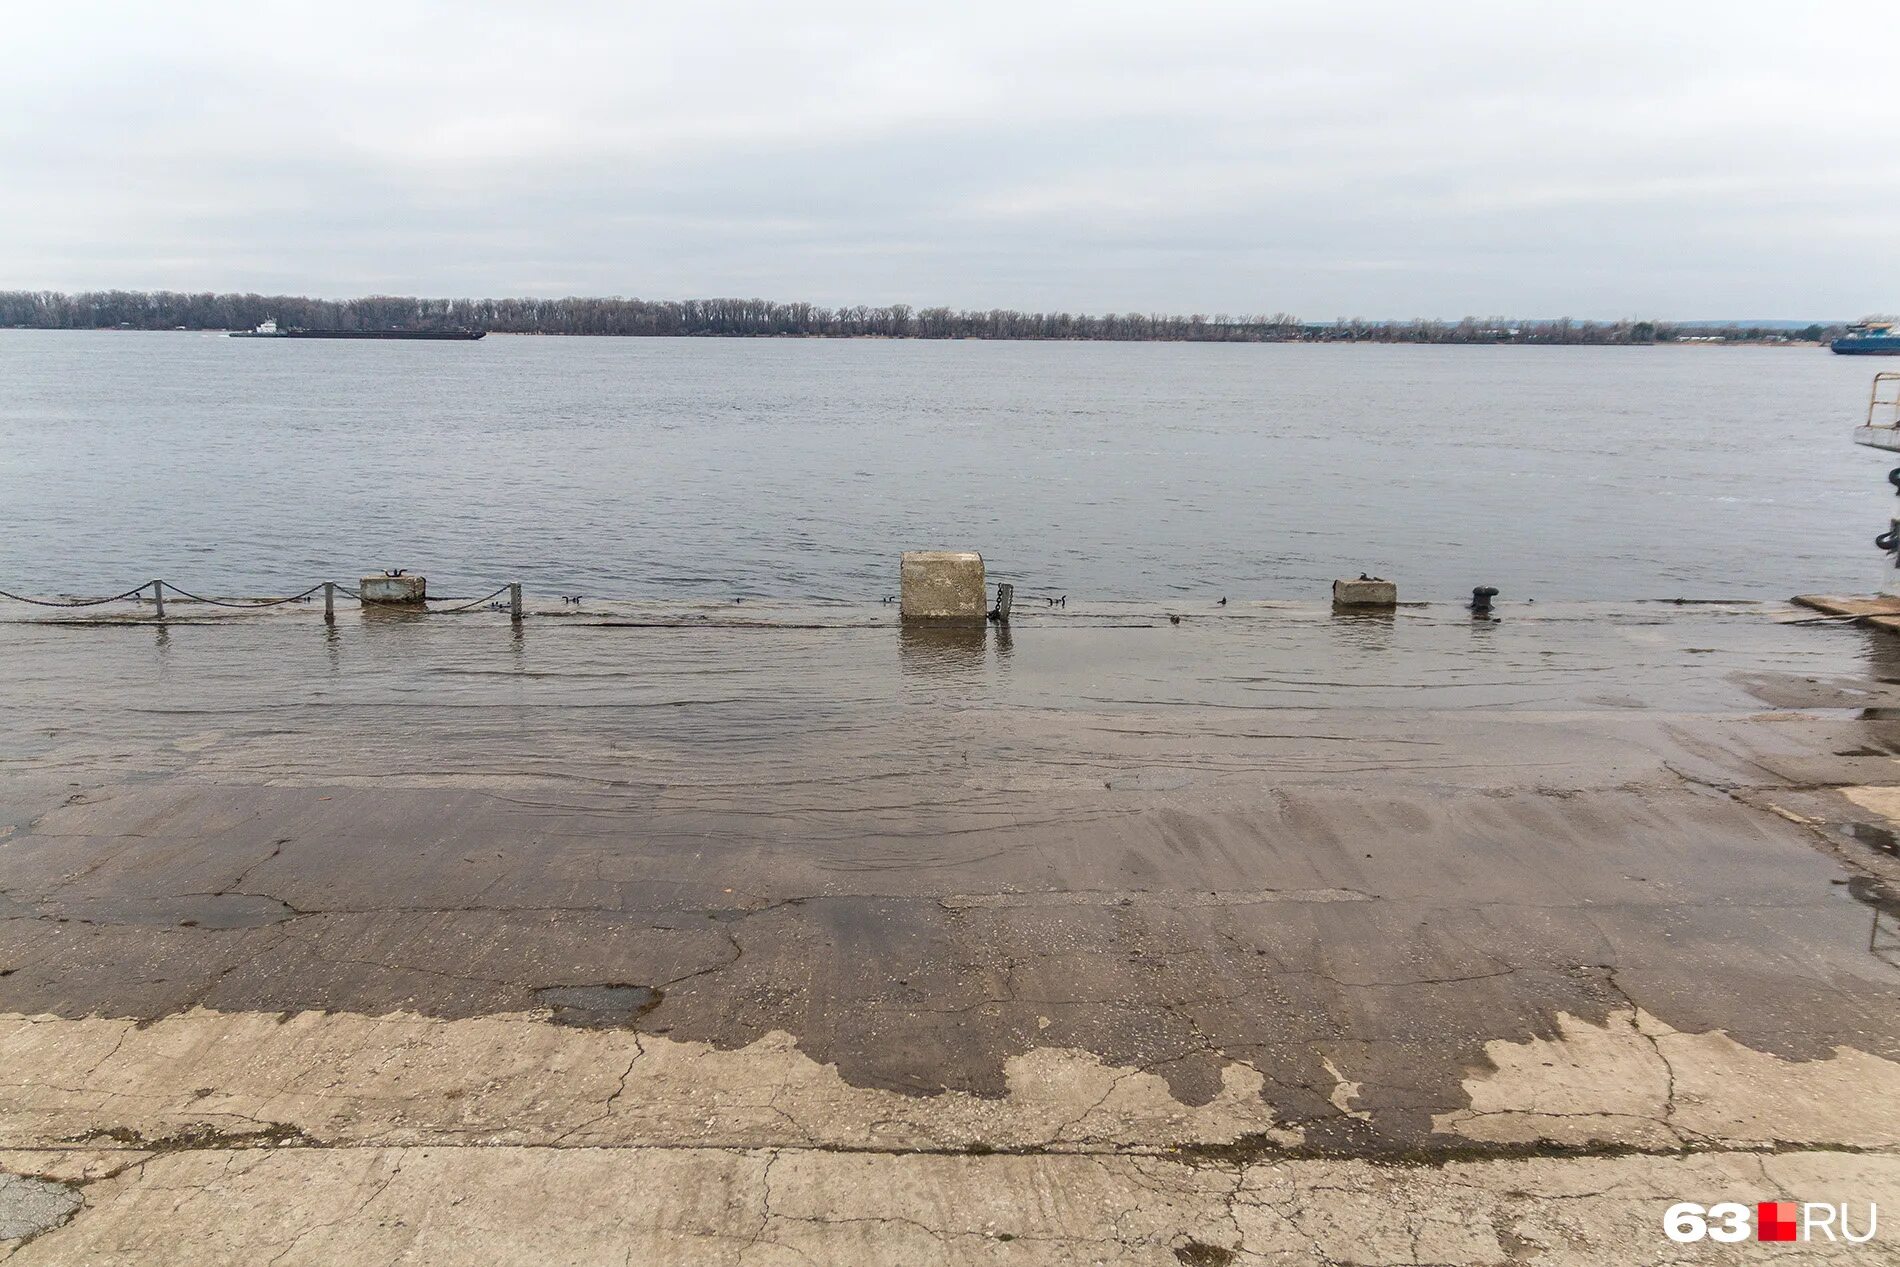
598,1006
1879,838
1883,937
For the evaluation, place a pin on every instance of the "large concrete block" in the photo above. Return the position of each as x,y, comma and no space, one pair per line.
945,585
1365,591
393,589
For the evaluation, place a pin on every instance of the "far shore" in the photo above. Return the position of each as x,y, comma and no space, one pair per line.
975,338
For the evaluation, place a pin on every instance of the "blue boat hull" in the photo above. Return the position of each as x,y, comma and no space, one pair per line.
1878,346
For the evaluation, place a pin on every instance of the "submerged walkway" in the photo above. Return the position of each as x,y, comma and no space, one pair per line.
783,936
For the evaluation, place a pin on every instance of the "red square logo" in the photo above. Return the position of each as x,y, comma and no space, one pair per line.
1774,1221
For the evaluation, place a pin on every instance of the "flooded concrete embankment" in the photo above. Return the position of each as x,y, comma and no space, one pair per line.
1265,886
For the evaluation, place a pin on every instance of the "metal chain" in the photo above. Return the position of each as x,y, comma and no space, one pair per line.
84,602
477,603
188,596
262,602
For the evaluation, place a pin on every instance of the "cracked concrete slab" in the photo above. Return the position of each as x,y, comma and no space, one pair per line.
1634,1080
452,1206
400,1079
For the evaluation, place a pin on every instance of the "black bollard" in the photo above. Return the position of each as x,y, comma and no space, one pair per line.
1005,596
1481,599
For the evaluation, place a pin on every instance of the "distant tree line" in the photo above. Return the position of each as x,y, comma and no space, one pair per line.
763,318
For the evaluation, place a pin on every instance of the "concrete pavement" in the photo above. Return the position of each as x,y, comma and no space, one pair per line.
1272,936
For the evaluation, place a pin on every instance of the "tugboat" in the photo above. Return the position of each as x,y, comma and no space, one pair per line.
1869,338
270,330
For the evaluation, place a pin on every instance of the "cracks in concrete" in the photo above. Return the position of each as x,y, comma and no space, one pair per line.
237,884
1217,1006
607,1108
370,1199
1202,1213
738,953
1114,1085
765,1196
274,939
1440,1154
1667,1120
199,1137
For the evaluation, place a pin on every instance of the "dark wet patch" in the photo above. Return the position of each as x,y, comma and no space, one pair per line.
197,1136
1432,1151
1871,892
1174,942
1880,738
1871,699
1879,838
1883,938
214,911
784,857
599,1006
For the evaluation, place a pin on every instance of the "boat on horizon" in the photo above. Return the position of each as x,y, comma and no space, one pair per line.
1869,338
271,330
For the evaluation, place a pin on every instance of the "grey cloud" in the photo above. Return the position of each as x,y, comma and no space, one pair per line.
1688,159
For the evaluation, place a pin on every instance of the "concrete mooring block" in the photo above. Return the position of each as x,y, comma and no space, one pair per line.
393,589
942,585
1365,591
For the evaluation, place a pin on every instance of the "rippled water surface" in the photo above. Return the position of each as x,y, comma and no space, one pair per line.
713,468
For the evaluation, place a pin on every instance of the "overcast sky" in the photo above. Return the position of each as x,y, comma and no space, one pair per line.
1422,159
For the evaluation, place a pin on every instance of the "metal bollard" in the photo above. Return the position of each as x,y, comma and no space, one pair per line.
329,602
158,597
514,601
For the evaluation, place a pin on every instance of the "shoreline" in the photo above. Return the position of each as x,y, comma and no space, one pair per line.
885,338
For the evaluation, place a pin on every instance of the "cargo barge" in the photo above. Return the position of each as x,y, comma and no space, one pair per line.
270,330
1869,338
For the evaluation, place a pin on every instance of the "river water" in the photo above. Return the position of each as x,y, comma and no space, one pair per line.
799,469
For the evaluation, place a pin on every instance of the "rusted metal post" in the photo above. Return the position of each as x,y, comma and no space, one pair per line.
329,602
158,598
514,601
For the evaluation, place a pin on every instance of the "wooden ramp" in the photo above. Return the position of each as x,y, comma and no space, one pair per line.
1877,610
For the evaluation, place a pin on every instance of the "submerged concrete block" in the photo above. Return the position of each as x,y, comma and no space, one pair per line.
942,585
1365,591
393,589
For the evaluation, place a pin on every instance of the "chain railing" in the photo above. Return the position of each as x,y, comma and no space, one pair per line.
161,590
